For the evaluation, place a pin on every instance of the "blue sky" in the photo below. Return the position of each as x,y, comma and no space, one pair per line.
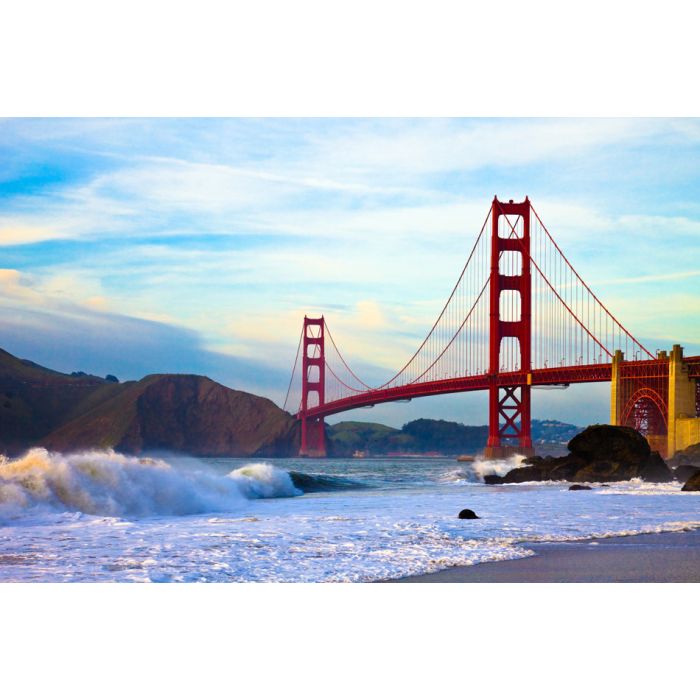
131,246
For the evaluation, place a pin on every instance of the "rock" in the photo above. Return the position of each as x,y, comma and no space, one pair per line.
493,479
467,514
599,453
655,469
615,443
683,472
693,483
579,487
690,455
566,469
604,470
528,473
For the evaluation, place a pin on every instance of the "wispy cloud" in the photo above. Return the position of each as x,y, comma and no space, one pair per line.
645,279
231,230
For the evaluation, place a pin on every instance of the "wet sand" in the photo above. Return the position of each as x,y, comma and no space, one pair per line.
672,557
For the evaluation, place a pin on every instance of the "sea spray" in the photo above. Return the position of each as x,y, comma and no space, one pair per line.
475,471
262,480
110,483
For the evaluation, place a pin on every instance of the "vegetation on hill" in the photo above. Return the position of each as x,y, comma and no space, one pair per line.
426,435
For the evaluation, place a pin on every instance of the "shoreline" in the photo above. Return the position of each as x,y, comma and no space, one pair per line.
667,557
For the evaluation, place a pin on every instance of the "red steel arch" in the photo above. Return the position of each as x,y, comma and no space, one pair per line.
635,404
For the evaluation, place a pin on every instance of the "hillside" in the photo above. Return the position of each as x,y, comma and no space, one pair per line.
185,413
35,400
426,435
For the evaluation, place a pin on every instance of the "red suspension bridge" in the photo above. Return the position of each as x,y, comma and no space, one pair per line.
518,316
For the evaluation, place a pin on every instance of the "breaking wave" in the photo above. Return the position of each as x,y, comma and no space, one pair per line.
113,484
313,483
474,472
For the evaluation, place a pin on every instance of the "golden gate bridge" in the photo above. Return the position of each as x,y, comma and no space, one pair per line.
518,316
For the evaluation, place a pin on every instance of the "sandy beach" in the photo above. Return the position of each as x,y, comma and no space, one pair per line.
672,557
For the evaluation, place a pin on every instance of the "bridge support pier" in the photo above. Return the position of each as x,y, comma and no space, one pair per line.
616,389
683,422
313,437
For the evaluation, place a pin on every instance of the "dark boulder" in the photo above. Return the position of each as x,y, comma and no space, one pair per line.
655,469
543,469
529,472
599,453
693,483
615,443
493,479
467,514
690,455
604,470
579,487
683,472
566,468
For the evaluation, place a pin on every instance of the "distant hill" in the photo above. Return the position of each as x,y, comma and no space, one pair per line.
426,435
187,413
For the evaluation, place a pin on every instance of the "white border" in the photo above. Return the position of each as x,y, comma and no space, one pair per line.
344,59
366,58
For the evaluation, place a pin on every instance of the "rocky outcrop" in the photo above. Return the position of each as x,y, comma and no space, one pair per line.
693,483
599,453
690,455
683,472
580,487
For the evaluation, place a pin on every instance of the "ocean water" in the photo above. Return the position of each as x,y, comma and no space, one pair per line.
103,516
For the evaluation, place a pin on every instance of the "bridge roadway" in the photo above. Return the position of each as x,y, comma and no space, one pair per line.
577,374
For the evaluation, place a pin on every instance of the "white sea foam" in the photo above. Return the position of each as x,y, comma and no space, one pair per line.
475,471
385,531
109,483
262,480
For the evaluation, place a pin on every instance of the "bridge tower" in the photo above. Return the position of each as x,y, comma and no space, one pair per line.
510,403
313,387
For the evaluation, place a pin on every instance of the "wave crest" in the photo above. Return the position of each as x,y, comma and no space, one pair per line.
113,484
474,472
262,480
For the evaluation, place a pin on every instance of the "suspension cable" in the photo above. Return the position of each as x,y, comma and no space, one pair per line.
342,359
427,337
591,292
544,277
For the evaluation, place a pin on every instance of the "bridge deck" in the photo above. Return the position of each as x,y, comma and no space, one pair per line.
577,374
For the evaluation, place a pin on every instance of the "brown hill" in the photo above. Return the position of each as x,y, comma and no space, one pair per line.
184,413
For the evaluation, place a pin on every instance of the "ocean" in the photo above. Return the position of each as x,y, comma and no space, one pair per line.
104,516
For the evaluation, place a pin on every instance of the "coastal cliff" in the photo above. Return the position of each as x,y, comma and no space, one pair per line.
184,413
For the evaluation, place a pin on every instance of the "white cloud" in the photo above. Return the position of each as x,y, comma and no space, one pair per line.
429,146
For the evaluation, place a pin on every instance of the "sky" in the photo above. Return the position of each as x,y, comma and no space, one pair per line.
133,246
